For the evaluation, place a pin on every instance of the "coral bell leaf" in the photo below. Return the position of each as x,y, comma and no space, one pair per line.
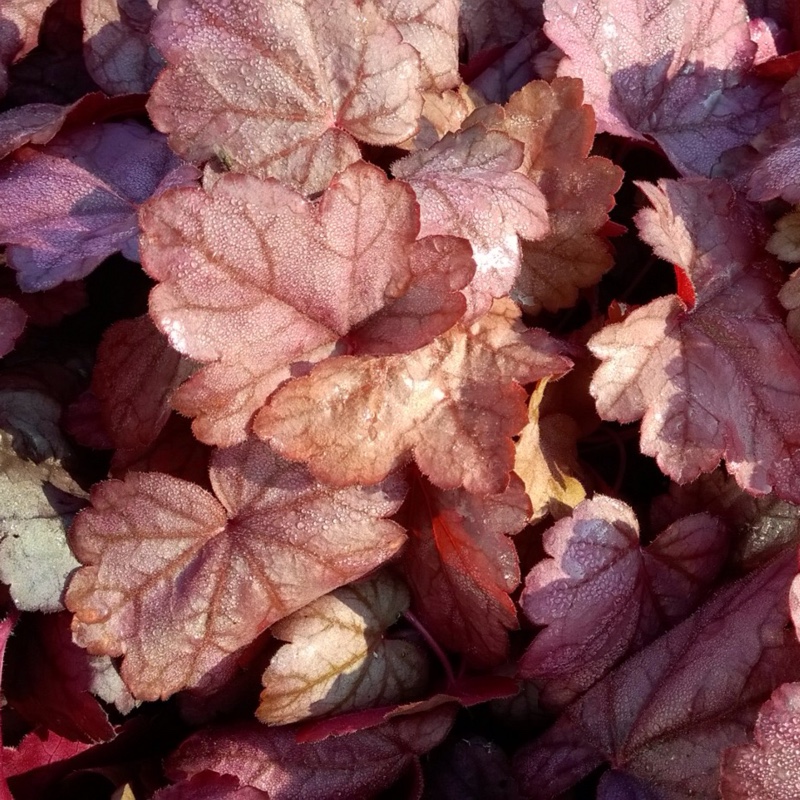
337,657
21,21
602,596
467,185
177,579
12,323
66,208
770,766
673,70
461,566
717,380
356,765
666,715
254,277
117,48
280,89
134,377
454,405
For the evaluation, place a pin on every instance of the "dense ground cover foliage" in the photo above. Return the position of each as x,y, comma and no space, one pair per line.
400,399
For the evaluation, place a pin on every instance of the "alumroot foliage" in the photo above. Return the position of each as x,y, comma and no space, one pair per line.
366,361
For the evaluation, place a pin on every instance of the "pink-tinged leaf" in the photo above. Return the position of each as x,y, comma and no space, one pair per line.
671,70
68,207
357,765
19,23
176,579
769,767
790,300
759,527
134,377
40,748
38,123
467,186
666,715
49,680
209,785
282,278
440,266
338,657
461,566
12,323
603,597
490,23
175,452
431,28
771,171
463,691
453,405
281,90
557,129
718,377
117,48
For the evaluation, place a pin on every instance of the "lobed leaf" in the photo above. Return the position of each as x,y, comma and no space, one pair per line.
454,405
177,579
713,375
675,71
117,47
281,90
767,767
665,716
467,185
281,279
358,764
66,208
338,658
603,597
461,566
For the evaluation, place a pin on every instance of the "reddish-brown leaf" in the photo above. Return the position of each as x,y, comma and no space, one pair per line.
454,405
356,765
280,90
715,375
134,377
461,566
177,579
280,279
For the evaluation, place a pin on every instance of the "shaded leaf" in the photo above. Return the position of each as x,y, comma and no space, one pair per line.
453,405
603,597
359,764
19,32
713,374
134,377
177,580
491,23
68,207
547,459
667,714
208,785
461,566
117,48
672,70
281,90
338,657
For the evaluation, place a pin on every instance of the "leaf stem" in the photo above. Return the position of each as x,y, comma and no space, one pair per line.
434,645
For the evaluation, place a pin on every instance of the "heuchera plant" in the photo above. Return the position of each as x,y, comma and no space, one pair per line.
400,399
